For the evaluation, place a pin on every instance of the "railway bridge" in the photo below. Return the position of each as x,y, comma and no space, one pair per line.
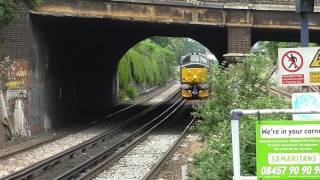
73,46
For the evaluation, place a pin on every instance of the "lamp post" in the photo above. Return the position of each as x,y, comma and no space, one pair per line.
303,7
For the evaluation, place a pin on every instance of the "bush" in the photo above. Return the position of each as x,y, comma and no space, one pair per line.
233,88
132,92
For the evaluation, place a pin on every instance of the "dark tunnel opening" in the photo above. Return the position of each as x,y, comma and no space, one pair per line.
79,58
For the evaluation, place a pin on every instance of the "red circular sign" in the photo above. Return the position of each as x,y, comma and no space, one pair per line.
292,61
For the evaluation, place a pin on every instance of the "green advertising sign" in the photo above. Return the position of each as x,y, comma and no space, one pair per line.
288,150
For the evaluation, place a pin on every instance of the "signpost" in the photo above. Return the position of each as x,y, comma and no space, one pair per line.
303,7
299,66
288,149
304,139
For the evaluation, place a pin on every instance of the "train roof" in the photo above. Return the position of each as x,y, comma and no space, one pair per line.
201,60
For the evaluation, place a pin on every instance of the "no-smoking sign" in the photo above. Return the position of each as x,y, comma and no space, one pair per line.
292,61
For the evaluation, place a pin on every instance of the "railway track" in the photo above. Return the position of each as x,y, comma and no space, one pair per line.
156,168
146,150
59,162
314,88
109,118
286,95
86,170
275,91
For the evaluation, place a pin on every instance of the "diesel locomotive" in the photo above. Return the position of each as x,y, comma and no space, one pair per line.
194,73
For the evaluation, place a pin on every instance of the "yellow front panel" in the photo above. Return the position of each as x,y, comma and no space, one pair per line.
194,75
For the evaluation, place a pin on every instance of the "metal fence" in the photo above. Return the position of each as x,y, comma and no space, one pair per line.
275,2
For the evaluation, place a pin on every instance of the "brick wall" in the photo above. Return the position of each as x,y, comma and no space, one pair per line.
14,38
15,42
239,40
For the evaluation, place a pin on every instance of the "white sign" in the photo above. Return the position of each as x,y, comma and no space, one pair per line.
306,101
293,158
290,131
299,66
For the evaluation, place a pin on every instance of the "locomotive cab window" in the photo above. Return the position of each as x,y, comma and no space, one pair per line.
203,60
186,60
195,58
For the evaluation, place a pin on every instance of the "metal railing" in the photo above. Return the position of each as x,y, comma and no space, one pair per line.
218,3
275,2
235,130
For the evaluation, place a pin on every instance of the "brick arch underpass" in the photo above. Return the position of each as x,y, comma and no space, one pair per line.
80,57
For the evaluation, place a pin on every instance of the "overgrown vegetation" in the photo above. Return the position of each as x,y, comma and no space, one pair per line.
146,63
233,88
9,9
152,62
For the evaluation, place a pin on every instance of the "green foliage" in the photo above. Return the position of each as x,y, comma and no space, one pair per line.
8,10
33,4
132,91
233,88
146,63
124,73
166,68
180,46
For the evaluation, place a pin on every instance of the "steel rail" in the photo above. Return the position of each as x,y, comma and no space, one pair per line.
129,107
275,91
44,165
314,88
106,161
6,156
19,151
156,168
280,92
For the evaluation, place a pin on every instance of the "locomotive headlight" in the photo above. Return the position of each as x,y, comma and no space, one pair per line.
204,86
185,86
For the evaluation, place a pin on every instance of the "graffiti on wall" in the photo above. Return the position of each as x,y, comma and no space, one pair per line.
17,98
18,75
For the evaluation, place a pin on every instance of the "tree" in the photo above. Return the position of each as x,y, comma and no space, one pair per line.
270,48
8,9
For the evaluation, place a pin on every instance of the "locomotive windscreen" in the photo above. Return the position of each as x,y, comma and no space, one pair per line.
194,58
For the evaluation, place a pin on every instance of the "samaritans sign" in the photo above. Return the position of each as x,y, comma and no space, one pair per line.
288,149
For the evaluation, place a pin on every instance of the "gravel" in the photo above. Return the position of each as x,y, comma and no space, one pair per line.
171,170
161,97
139,161
25,159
